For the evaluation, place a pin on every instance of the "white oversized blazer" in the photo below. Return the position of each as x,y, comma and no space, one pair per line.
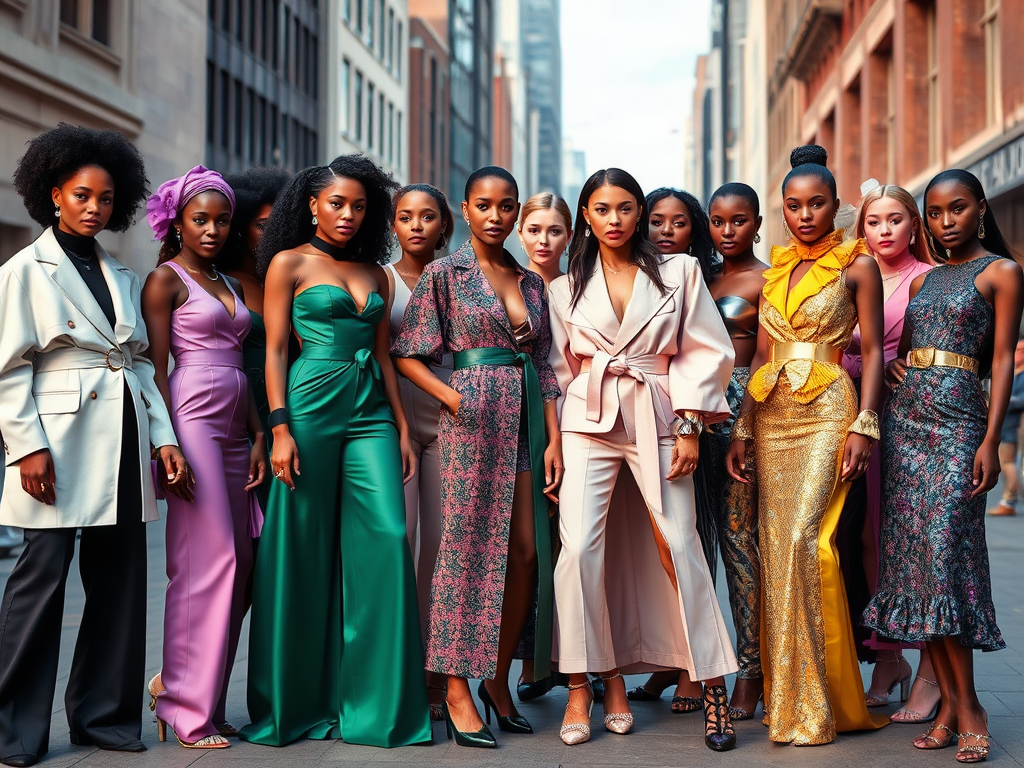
671,353
62,386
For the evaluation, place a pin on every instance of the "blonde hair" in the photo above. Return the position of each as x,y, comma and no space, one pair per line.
920,249
545,201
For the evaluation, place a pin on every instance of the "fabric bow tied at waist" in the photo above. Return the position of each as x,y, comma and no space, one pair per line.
363,358
641,407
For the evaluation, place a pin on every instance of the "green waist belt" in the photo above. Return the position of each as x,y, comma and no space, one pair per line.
533,414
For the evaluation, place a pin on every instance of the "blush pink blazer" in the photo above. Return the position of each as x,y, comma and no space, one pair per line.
671,353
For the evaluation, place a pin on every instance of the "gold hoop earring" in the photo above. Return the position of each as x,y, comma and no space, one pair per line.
786,230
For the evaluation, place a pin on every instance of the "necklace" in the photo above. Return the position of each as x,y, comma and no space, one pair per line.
336,253
86,261
893,276
615,271
200,272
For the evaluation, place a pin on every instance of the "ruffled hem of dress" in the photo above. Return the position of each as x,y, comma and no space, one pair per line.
912,619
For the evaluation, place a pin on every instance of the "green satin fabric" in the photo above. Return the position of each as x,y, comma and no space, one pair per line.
533,413
335,648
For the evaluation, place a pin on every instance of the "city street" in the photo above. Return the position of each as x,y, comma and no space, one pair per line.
658,739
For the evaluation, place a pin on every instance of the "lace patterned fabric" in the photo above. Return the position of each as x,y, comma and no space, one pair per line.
934,578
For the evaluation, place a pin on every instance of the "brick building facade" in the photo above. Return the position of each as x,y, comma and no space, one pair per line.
898,90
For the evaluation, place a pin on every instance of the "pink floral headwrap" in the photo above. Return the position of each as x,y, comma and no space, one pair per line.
163,207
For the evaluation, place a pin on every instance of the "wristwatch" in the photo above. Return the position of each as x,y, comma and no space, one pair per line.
687,424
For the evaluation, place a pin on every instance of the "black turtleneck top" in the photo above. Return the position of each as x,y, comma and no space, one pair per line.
81,252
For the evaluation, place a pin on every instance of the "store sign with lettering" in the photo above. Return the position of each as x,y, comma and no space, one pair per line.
1003,170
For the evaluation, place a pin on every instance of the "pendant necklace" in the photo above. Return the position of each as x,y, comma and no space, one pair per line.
215,277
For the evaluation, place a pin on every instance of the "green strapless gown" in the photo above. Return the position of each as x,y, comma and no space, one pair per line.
335,649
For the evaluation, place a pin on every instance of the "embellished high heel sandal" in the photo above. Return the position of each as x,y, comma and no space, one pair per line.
874,699
719,734
215,741
577,733
617,722
973,753
512,724
905,715
936,744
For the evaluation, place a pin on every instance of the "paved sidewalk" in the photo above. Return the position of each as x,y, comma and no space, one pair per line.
658,739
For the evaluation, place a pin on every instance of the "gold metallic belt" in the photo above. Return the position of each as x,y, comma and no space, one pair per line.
804,350
926,357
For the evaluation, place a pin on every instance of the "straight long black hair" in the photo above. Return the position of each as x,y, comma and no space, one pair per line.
584,247
993,241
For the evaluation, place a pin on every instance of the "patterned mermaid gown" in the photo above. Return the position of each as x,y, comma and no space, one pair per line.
933,578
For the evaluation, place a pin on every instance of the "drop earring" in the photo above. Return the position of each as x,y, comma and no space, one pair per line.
56,213
913,238
586,232
177,232
315,220
757,237
981,230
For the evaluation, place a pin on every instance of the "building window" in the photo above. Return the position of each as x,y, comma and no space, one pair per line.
359,16
359,106
346,74
90,17
391,133
380,124
934,116
890,118
398,140
398,51
391,39
371,98
346,10
370,23
380,35
993,74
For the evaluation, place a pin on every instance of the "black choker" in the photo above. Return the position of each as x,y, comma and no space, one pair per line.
336,253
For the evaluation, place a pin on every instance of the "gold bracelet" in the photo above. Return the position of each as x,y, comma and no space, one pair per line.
867,425
743,429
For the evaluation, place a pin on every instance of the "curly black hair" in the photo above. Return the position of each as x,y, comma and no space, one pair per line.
701,247
55,156
290,223
253,189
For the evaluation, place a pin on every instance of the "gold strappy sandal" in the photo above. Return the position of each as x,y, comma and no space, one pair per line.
973,753
950,735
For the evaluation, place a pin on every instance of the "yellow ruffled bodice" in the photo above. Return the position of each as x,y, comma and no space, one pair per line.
819,309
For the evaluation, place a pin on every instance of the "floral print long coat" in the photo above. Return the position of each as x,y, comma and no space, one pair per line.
453,308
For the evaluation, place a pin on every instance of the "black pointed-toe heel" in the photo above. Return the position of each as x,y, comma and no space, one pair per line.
512,724
535,689
719,734
482,738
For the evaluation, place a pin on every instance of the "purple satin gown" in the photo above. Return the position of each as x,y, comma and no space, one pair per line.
209,542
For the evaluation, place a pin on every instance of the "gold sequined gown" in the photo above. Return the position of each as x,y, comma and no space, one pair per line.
813,685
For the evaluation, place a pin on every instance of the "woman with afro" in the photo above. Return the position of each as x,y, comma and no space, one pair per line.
80,411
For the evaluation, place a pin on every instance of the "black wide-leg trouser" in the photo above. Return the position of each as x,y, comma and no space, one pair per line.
103,700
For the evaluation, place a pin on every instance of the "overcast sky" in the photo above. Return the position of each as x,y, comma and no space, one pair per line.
627,82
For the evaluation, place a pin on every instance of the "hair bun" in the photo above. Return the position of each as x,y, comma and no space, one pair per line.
809,154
